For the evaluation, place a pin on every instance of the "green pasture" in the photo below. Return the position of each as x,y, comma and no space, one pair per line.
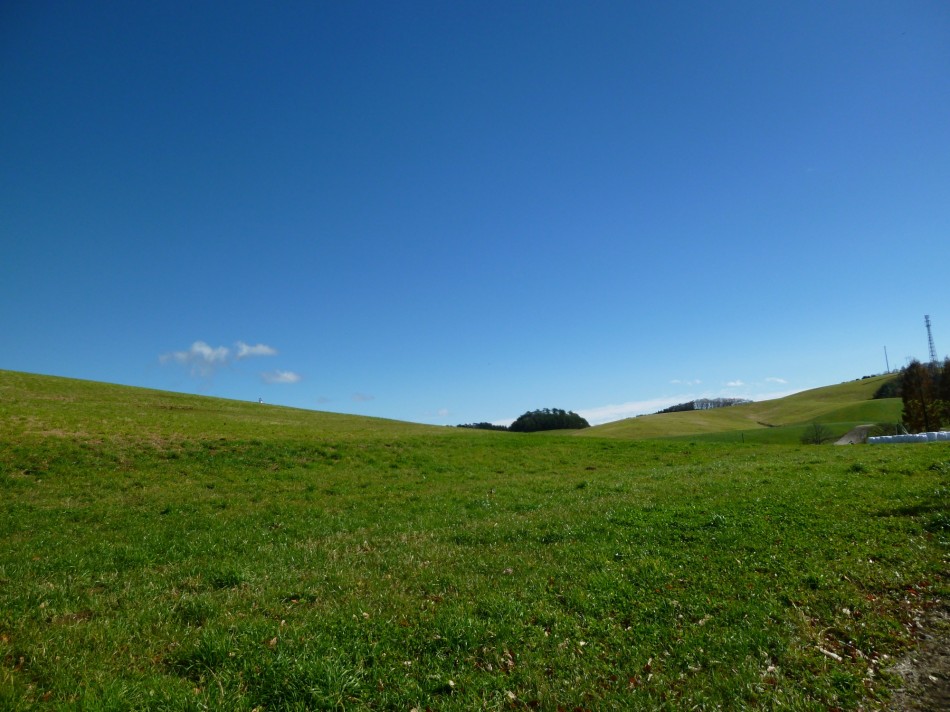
166,551
782,420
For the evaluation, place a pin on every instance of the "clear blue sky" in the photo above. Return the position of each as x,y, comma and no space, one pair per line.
449,212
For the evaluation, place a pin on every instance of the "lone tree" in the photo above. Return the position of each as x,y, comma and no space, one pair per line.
922,409
548,419
943,391
816,434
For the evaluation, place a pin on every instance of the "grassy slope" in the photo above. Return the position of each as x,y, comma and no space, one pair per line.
168,551
841,407
45,405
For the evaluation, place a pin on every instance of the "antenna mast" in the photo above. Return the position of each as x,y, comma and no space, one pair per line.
930,339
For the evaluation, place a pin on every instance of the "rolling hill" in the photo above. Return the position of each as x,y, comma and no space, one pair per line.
65,407
58,403
170,551
840,408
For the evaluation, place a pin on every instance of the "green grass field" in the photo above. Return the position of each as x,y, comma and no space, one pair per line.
166,551
781,421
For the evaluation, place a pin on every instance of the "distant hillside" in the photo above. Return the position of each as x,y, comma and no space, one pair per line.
38,405
704,404
841,407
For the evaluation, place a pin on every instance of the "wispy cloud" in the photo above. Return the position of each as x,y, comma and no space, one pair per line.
279,376
775,379
245,350
678,382
735,384
362,397
203,359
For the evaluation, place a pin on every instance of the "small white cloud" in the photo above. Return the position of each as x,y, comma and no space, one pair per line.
679,382
362,397
774,379
246,350
202,358
200,351
735,384
443,413
281,377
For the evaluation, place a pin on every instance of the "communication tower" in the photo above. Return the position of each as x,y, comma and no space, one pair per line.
930,339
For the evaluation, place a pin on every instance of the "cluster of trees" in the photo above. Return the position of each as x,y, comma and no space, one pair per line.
890,389
537,420
704,404
925,391
548,419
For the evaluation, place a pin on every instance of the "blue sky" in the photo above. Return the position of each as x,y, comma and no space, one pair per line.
457,212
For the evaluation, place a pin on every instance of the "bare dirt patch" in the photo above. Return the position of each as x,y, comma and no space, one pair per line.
855,436
926,669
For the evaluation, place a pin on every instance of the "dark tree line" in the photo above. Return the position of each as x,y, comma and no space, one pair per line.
537,420
483,426
704,404
925,391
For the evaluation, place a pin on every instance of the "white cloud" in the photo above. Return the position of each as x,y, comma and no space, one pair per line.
774,379
443,413
735,384
245,350
279,376
202,358
678,382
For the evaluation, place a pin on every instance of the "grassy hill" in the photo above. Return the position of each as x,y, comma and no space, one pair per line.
167,551
68,408
782,420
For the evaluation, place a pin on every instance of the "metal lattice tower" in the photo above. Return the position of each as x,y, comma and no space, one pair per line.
930,339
